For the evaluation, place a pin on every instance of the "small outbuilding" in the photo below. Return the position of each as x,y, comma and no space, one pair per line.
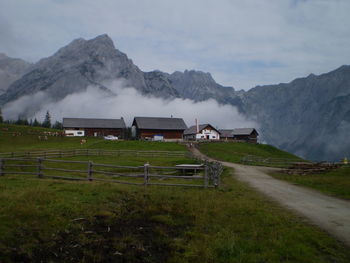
93,127
240,134
201,132
158,128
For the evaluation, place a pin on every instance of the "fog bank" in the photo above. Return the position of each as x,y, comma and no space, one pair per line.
125,102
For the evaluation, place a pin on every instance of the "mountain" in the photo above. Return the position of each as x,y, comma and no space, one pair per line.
159,85
74,67
11,69
200,86
95,62
308,116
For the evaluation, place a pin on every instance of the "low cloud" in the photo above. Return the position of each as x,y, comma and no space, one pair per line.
127,103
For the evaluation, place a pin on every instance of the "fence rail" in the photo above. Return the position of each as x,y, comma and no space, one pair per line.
91,152
205,175
279,162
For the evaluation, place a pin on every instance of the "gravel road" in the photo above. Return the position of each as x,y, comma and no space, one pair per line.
329,213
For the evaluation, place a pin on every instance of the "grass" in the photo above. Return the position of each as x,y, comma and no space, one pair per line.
235,151
138,145
24,138
335,183
45,220
54,220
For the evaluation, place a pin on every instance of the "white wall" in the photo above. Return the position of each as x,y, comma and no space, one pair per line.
74,132
213,135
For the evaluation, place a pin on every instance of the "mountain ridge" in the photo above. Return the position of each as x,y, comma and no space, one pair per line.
308,116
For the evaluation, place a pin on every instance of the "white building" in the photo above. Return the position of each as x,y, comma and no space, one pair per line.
201,132
72,133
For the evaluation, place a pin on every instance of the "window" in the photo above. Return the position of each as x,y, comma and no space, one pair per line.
79,133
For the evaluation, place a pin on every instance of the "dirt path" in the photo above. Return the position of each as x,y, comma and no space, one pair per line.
329,213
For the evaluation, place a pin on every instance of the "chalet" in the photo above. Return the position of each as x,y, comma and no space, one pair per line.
93,127
240,134
202,132
156,128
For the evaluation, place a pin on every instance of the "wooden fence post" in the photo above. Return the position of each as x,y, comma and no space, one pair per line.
39,172
216,175
89,175
145,169
2,173
219,174
206,176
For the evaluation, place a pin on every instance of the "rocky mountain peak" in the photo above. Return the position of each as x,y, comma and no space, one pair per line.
194,76
11,69
76,66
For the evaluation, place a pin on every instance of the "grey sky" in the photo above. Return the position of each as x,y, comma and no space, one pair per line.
242,43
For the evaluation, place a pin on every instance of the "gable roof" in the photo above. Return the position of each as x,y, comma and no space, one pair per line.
93,123
230,133
226,133
244,131
159,123
193,129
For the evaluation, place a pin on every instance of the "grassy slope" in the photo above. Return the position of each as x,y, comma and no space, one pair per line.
65,221
43,219
234,151
336,183
28,141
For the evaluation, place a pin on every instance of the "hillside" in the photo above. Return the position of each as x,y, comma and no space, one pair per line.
236,152
308,116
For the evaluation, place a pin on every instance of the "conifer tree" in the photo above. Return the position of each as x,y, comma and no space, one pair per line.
47,121
1,119
57,125
36,123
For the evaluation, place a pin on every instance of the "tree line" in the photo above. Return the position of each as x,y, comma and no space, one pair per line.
46,123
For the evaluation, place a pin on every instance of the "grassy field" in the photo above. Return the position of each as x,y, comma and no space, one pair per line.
45,220
52,220
24,138
335,183
235,151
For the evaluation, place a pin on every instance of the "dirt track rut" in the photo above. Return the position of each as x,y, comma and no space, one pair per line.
329,213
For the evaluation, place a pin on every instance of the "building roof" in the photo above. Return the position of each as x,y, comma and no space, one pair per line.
93,123
159,123
244,131
193,129
227,133
230,133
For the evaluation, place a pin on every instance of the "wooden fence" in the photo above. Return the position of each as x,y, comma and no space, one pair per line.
206,175
91,152
275,162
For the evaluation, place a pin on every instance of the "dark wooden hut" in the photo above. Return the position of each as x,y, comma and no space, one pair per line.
159,127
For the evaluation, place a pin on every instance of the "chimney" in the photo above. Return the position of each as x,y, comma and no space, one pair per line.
197,126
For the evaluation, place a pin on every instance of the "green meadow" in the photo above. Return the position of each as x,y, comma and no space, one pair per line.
48,220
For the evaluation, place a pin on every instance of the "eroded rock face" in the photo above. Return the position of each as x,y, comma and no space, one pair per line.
11,69
74,67
308,116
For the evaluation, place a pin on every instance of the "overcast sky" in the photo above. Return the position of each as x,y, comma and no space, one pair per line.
242,43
